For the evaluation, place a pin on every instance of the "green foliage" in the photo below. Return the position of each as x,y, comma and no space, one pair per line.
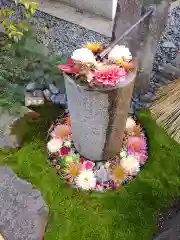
15,28
21,62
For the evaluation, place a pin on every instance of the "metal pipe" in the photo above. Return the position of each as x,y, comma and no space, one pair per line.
107,50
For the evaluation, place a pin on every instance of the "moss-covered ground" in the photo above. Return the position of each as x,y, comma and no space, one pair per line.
127,214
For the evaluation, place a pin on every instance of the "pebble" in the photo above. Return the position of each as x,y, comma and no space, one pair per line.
148,97
37,93
168,45
47,94
53,88
33,85
59,99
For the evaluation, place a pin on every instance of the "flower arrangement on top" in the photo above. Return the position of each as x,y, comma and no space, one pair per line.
110,71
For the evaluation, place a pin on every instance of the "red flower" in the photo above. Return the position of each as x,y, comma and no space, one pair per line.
110,76
68,68
70,61
64,151
88,165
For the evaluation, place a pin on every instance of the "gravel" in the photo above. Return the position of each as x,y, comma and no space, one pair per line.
64,37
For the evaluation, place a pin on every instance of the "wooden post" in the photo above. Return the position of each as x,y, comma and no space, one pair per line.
147,51
128,12
143,40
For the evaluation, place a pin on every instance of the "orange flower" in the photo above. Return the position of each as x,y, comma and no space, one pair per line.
72,171
94,47
68,120
126,65
118,173
137,130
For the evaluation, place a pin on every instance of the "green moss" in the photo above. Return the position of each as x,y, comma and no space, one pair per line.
129,213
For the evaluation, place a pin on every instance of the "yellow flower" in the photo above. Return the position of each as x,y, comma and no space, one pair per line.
72,171
94,47
117,172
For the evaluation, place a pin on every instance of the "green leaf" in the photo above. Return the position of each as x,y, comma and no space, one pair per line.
32,10
4,22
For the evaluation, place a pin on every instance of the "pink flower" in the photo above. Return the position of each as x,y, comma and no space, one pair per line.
62,131
65,151
142,157
136,144
88,165
110,75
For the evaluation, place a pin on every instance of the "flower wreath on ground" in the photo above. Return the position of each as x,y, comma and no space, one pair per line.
111,71
85,174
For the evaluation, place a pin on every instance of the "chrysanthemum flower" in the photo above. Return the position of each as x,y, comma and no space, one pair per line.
120,52
130,165
86,180
130,125
54,145
110,75
138,144
94,47
84,56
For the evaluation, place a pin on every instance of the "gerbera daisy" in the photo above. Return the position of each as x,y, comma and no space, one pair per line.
86,180
62,131
117,173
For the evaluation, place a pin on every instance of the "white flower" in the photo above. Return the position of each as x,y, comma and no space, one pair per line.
83,55
123,154
130,124
86,180
130,165
54,145
67,144
119,52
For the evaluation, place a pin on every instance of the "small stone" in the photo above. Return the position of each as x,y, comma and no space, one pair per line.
59,99
33,100
168,45
37,93
33,86
47,94
148,97
53,88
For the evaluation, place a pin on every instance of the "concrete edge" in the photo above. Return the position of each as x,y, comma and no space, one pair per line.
84,19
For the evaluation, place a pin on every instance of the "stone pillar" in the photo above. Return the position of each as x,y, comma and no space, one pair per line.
149,44
98,118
